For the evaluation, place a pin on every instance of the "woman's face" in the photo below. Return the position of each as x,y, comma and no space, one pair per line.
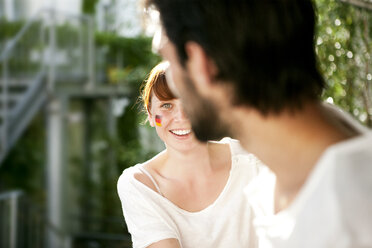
172,126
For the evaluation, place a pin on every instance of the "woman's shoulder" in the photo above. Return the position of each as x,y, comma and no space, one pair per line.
234,145
140,173
241,156
126,178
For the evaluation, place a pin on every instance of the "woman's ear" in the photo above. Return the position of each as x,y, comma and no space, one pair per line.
149,118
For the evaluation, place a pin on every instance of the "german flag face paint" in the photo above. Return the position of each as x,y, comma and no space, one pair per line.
158,120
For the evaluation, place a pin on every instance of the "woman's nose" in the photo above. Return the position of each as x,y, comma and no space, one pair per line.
180,113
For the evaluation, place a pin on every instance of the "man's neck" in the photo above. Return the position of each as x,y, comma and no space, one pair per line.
290,144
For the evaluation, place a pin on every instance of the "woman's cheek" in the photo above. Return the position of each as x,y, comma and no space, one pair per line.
162,118
158,120
161,122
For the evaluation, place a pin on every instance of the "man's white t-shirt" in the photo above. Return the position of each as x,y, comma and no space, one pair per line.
333,208
227,222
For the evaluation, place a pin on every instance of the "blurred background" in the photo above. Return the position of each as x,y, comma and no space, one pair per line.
70,73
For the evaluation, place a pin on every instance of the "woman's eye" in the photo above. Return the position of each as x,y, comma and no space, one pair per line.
166,105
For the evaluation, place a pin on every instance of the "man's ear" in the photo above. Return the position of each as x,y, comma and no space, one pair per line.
201,68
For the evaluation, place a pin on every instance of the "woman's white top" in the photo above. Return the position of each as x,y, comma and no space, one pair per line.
150,217
332,209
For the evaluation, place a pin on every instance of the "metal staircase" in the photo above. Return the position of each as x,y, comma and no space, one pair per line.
20,101
51,49
48,62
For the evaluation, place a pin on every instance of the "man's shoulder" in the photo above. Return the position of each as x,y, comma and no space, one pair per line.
353,160
353,187
352,153
352,173
344,174
349,163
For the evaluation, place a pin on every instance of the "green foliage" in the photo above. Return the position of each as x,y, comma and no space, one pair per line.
89,6
21,52
136,51
24,166
131,59
129,148
127,59
9,29
28,52
108,155
344,52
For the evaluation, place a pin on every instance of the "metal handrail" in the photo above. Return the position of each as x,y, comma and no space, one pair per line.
16,222
4,126
4,58
13,198
9,46
10,194
48,68
16,200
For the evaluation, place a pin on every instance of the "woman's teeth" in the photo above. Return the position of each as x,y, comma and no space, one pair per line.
181,132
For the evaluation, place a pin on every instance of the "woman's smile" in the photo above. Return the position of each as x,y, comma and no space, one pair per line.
180,132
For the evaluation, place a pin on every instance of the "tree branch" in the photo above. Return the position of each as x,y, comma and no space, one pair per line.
365,4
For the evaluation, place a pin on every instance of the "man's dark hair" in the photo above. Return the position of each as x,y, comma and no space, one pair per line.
264,47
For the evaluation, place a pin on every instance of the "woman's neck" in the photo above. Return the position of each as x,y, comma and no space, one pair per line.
199,161
187,163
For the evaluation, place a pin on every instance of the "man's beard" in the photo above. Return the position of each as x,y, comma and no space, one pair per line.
203,114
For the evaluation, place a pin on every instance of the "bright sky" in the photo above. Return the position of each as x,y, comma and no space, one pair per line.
70,6
126,12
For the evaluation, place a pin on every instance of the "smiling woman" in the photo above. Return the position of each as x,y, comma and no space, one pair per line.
173,199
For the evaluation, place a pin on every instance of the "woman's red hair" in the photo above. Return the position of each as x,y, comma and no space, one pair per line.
156,84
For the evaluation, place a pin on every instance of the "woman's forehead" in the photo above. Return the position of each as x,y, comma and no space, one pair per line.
156,99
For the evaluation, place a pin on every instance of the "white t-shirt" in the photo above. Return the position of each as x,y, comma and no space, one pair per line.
226,223
333,208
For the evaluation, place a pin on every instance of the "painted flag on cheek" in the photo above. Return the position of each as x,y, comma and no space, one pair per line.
158,120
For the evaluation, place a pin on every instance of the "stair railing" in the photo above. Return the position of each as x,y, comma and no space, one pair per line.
53,46
12,59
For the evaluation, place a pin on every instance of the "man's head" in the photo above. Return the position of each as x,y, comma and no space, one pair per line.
262,51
